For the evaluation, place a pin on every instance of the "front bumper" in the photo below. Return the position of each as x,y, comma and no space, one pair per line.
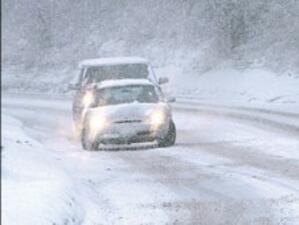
128,133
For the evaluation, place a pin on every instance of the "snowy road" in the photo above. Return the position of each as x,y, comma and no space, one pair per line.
229,166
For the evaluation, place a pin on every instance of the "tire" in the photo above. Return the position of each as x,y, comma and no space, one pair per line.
170,137
87,144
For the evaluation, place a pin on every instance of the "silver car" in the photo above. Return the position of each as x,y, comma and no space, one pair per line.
126,112
100,69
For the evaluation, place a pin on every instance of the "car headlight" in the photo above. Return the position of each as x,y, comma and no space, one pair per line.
88,99
156,119
96,124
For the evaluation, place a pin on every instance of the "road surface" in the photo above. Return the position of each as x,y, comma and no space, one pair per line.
229,166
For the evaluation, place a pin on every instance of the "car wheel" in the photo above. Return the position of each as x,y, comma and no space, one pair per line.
170,137
87,144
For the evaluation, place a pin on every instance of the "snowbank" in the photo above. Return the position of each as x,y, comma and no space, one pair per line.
254,87
250,87
36,188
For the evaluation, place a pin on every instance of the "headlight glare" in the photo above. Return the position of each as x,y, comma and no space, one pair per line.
88,98
97,124
156,119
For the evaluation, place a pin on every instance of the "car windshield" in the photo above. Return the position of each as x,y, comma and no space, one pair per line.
108,72
127,94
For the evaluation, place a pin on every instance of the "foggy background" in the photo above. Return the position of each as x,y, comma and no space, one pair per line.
43,40
233,68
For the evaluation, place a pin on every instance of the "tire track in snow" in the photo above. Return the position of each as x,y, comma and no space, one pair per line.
251,119
157,171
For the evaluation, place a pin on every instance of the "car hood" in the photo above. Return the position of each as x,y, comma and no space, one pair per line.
131,111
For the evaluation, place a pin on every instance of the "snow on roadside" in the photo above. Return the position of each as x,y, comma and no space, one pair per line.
251,87
36,188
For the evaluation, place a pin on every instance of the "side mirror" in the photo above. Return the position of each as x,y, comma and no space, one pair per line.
170,99
73,87
163,80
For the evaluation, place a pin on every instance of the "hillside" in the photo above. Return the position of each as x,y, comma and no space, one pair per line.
43,40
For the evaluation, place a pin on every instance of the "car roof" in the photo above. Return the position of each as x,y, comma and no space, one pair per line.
122,82
112,61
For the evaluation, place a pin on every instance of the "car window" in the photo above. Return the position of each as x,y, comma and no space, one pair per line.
127,94
126,71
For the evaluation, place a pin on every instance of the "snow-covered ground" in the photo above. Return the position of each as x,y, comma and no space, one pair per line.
230,87
229,166
236,160
250,88
36,188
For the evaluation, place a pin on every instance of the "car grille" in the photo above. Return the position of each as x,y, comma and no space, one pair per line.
143,133
128,121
